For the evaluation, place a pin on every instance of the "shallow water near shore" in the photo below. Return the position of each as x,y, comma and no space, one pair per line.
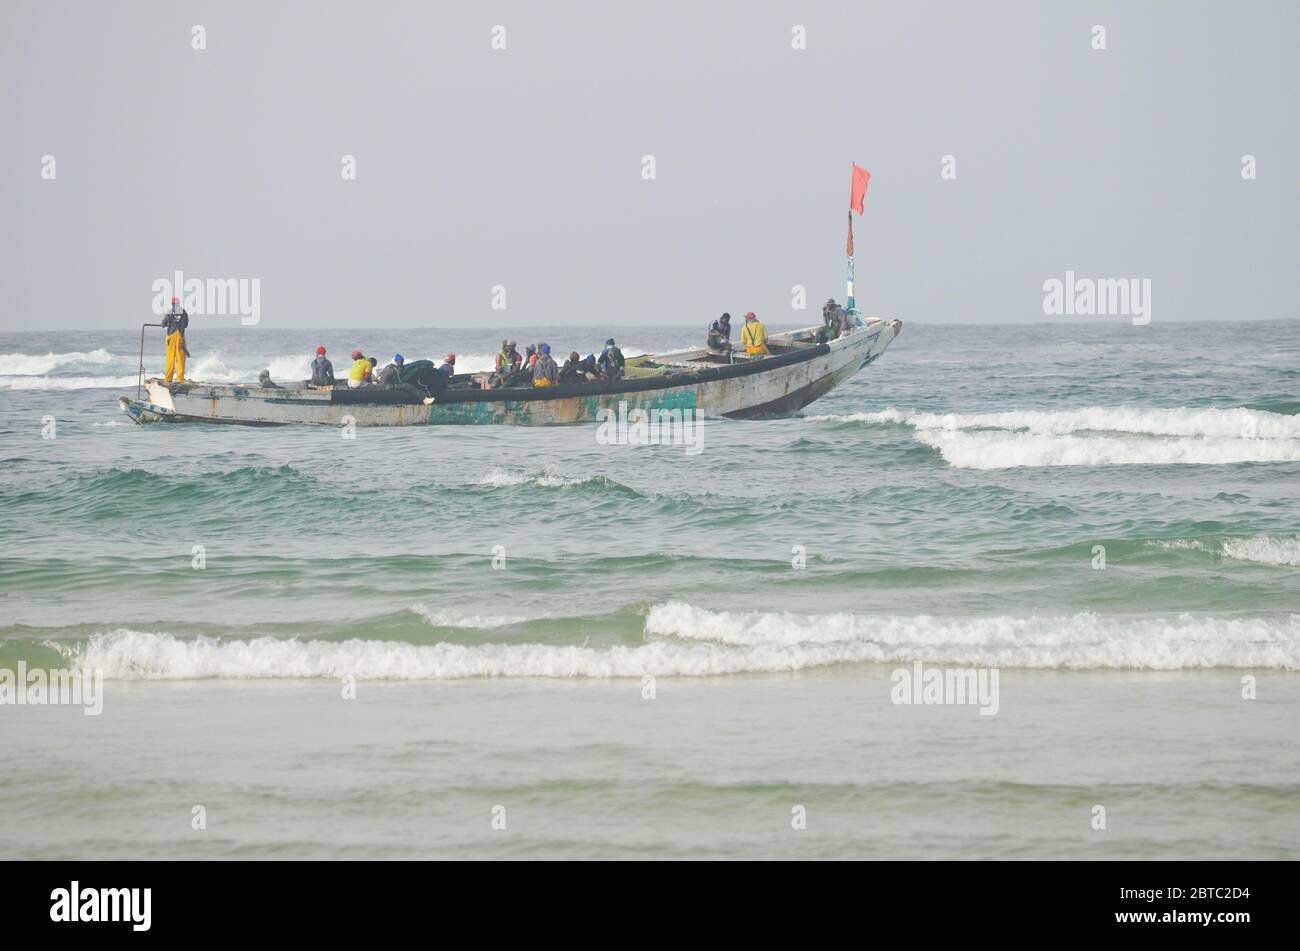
710,768
1109,515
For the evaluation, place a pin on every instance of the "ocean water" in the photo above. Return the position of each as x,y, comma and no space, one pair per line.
633,651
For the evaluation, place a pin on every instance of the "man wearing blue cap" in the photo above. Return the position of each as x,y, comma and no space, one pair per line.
391,375
610,361
545,370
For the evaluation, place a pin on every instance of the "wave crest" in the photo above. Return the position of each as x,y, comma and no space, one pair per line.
28,364
1098,436
1079,642
687,641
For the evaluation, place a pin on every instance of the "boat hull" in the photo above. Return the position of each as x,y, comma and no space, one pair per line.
776,385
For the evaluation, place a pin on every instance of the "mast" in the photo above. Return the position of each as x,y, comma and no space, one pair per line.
859,177
848,303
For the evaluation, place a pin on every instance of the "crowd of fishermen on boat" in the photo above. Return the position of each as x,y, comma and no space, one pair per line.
535,368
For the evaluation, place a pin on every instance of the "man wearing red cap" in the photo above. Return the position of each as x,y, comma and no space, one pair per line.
754,336
359,375
322,371
174,323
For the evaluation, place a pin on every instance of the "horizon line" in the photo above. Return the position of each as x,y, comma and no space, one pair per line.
1105,321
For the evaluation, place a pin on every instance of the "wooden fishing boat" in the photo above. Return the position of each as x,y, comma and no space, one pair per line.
801,367
799,370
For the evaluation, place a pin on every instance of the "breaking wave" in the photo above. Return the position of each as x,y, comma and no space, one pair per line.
1097,436
1267,551
686,641
550,477
1264,550
27,364
446,618
986,450
67,382
1225,423
1081,641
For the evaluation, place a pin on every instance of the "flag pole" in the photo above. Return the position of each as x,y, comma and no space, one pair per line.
848,303
859,177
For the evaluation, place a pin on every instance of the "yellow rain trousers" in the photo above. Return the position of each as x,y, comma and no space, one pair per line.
175,356
754,336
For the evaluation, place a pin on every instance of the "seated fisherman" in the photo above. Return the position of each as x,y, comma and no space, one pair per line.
835,319
523,375
719,337
545,372
754,336
611,362
360,373
322,371
572,371
391,375
507,364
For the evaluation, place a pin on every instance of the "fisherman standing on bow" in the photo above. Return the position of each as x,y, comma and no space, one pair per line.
174,323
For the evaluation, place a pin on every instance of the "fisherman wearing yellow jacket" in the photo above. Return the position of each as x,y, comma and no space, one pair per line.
174,323
754,336
360,374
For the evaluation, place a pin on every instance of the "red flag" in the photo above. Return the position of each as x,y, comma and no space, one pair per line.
860,178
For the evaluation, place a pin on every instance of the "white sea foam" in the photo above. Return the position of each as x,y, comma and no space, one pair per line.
23,372
26,364
686,641
1265,550
471,362
1078,641
1098,436
447,618
211,367
549,478
1149,421
141,655
1004,450
1182,544
67,382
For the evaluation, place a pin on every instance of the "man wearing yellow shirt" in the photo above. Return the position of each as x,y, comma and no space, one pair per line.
360,374
754,336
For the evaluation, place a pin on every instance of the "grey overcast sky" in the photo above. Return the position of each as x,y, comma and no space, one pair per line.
522,167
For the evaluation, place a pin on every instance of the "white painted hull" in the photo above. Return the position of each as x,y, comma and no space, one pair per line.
779,384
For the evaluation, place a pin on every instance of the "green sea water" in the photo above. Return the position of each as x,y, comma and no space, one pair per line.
1105,513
